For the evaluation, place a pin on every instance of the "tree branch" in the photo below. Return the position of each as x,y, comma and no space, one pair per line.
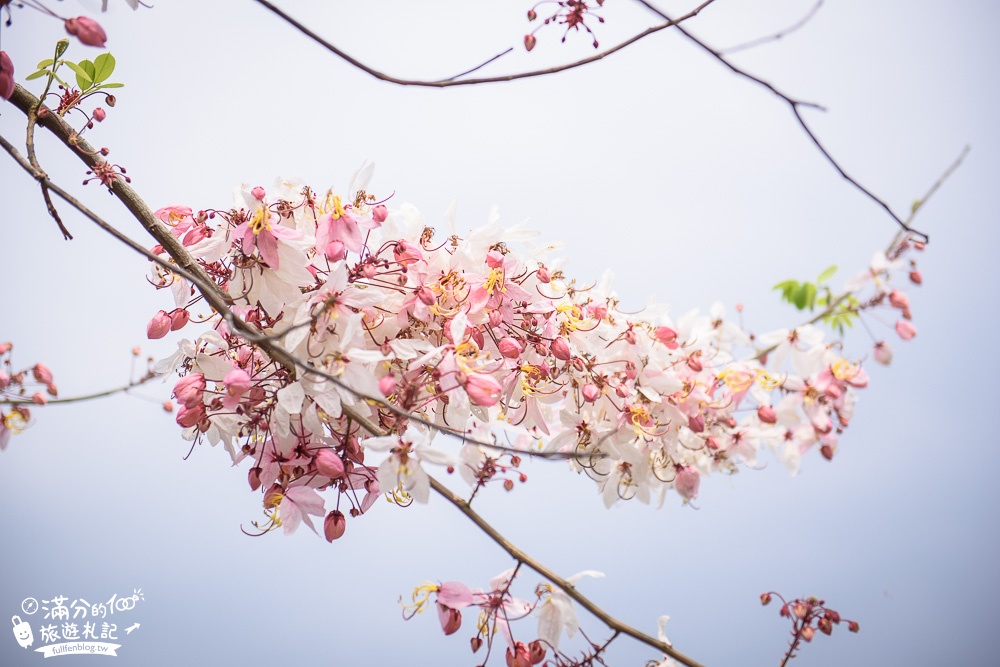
457,80
776,36
796,107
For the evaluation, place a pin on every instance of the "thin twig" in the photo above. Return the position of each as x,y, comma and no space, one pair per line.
776,36
455,80
796,107
85,397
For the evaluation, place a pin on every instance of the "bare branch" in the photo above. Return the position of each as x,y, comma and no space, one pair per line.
456,80
776,36
796,107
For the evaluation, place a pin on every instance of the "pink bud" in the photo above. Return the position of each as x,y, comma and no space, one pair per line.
622,390
187,417
766,414
560,349
237,383
494,259
536,651
696,423
667,336
6,347
518,655
509,348
426,296
905,329
694,363
334,525
387,385
883,353
808,633
496,318
6,76
532,15
483,389
4,379
630,370
543,275
687,482
100,114
158,326
765,598
406,253
590,392
451,619
336,251
368,270
529,42
168,406
598,310
258,193
190,389
41,373
899,300
87,30
38,398
329,464
178,318
380,213
253,477
916,278
853,626
51,390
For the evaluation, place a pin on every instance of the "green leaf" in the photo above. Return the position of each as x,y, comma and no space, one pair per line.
827,274
61,47
110,85
104,65
82,77
35,75
45,63
805,296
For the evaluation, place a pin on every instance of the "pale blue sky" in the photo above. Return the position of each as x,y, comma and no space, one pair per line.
692,185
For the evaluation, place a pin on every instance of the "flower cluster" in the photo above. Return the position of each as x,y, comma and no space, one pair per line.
498,608
17,395
469,335
807,615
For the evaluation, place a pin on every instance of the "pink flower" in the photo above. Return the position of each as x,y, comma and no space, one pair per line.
41,373
883,353
667,336
766,414
483,389
178,318
560,349
159,325
905,330
334,525
237,383
187,417
387,385
87,30
509,348
687,482
190,389
899,300
329,464
6,76
590,392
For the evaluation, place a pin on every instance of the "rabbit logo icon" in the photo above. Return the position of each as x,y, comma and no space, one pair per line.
22,632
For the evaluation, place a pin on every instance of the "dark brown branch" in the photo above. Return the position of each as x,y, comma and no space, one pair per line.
456,80
776,36
796,107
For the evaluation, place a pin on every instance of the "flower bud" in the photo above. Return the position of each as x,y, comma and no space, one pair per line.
536,651
529,42
110,100
41,373
882,353
767,414
687,482
426,296
178,318
808,633
667,336
406,253
168,406
158,326
190,389
622,390
694,363
765,598
590,392
6,347
387,385
380,213
87,30
905,330
483,389
560,349
494,259
543,274
100,114
187,417
334,525
451,619
4,379
916,278
38,398
853,626
51,390
253,477
336,251
476,644
496,318
7,76
696,423
509,348
258,193
532,15
899,300
329,464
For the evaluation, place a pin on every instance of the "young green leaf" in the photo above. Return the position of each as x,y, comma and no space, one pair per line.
827,274
83,79
35,75
45,63
109,85
104,65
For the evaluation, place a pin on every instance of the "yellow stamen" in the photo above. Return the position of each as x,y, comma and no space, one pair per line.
495,278
261,220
